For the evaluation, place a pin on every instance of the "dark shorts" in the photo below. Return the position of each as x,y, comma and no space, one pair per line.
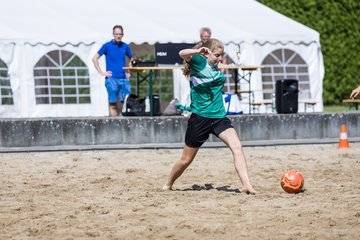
199,129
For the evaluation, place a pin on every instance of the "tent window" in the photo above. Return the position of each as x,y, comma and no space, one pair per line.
284,64
61,77
6,94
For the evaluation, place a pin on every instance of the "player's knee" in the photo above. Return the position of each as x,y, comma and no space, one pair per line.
185,161
236,149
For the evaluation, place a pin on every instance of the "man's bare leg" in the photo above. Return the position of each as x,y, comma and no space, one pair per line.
113,110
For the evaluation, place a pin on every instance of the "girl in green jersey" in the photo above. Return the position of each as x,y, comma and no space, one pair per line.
208,112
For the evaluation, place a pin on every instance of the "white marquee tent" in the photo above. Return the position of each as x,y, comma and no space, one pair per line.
31,29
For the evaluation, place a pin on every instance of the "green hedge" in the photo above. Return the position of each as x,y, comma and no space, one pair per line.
338,23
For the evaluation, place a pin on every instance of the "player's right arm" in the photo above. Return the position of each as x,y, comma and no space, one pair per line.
186,54
95,61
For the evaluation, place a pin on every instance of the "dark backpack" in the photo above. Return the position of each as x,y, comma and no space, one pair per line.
133,106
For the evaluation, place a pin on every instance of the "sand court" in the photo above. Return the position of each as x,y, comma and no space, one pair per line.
115,194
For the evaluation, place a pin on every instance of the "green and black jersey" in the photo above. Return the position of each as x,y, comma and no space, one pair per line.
206,82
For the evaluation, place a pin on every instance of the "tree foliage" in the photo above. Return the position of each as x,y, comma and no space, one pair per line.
338,23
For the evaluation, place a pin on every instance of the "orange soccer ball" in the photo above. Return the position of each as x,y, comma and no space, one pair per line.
292,181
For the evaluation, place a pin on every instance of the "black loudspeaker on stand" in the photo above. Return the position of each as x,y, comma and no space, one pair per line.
286,96
156,105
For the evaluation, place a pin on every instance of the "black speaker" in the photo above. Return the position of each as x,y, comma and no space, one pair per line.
156,105
286,96
168,53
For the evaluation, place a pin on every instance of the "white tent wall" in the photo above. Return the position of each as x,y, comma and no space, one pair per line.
21,68
7,52
30,29
98,95
254,54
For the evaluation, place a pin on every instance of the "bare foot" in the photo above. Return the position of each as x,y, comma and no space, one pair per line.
249,190
166,188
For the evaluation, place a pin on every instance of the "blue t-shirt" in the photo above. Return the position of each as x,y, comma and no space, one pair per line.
115,57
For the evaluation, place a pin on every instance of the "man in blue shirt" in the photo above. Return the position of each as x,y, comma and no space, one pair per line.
116,78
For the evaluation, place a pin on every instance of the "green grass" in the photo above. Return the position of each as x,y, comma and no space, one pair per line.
337,108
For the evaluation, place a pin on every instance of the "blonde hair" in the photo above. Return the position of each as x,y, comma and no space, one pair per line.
212,44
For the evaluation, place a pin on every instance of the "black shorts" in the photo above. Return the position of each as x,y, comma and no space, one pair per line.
199,129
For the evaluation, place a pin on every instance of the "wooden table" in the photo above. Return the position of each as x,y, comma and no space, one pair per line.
147,74
353,101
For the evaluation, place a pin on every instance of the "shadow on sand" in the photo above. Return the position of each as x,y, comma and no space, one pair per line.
209,186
